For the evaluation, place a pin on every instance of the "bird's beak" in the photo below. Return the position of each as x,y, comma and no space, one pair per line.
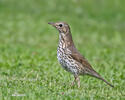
53,24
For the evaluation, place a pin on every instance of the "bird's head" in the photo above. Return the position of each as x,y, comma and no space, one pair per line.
62,27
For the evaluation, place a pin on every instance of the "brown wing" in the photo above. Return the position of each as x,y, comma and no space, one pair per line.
85,64
78,57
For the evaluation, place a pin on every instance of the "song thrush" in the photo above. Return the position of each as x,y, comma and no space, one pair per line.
70,58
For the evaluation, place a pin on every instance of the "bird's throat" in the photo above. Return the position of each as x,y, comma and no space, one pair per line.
65,40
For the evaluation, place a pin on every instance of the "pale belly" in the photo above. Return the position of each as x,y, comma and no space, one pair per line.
67,63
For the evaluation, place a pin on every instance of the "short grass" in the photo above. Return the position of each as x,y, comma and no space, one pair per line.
29,69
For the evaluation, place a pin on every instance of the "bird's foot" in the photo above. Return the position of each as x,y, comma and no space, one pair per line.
78,81
78,84
73,83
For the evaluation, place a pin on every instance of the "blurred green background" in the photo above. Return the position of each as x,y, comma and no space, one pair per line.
29,69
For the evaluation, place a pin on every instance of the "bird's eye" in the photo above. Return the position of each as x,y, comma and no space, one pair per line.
60,25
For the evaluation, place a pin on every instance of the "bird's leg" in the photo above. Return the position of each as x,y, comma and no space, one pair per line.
72,84
74,80
78,81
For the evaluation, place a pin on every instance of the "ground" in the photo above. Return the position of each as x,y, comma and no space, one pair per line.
29,69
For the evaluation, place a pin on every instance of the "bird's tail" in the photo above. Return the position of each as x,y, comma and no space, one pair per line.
95,74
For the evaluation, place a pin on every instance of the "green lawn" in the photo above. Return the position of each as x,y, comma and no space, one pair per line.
29,69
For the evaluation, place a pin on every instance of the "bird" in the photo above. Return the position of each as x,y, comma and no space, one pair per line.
70,58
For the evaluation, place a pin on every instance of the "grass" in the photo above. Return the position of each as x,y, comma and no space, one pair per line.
29,69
